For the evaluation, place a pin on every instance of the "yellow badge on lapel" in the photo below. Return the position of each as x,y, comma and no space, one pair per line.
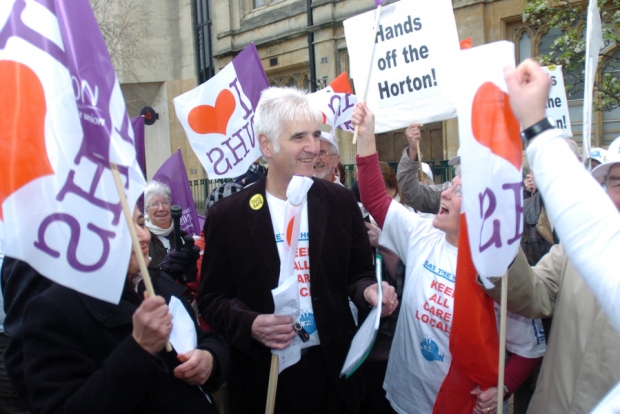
257,201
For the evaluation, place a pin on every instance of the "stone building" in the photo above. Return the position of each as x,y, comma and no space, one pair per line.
187,41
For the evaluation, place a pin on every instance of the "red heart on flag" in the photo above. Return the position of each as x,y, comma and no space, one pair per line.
207,119
22,128
494,125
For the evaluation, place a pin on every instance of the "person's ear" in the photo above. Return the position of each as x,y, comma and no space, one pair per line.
266,147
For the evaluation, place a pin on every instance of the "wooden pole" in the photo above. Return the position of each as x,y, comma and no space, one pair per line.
365,83
148,284
420,172
502,347
273,385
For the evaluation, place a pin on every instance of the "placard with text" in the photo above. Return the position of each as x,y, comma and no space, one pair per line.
413,44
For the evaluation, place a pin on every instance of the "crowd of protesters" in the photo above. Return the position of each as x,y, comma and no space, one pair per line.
68,352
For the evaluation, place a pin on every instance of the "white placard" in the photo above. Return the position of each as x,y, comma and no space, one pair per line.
557,104
414,42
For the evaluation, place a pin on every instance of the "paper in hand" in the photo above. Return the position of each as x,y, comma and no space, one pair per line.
183,336
286,302
365,337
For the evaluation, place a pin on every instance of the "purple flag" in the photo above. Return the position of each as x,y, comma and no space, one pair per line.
218,116
64,121
93,77
172,172
138,131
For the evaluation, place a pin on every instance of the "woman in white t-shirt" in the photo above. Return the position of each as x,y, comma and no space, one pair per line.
420,357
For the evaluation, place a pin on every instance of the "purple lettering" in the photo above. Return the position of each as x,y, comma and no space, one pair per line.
234,85
348,102
516,189
219,161
90,196
495,238
335,107
249,129
124,132
240,145
74,226
15,27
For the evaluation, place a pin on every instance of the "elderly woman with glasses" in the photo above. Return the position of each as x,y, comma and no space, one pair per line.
177,261
157,201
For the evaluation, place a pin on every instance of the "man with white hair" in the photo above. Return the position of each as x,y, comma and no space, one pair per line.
245,236
326,161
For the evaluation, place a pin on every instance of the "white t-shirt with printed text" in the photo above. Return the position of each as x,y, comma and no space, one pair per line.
420,356
277,209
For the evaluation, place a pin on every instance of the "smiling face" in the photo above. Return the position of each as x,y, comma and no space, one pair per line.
159,211
326,162
299,145
144,238
449,215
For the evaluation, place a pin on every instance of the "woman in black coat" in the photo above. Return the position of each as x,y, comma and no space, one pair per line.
84,355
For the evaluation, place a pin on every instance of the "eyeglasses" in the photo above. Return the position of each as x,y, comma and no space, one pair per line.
324,154
457,190
156,204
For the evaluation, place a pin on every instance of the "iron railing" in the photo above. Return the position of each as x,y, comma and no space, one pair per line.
202,188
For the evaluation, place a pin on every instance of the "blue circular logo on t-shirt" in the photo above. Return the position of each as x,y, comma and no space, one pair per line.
307,321
430,350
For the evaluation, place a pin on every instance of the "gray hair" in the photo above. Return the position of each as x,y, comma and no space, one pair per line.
279,105
156,188
333,148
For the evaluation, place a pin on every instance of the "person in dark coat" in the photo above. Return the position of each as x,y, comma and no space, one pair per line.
20,283
241,266
254,172
84,355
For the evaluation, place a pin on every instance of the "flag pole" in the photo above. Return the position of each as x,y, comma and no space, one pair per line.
420,172
365,82
273,385
502,347
148,284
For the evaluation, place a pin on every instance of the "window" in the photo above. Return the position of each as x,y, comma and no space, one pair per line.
204,59
261,3
299,80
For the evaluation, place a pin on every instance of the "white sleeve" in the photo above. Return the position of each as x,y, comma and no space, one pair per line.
610,404
586,220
